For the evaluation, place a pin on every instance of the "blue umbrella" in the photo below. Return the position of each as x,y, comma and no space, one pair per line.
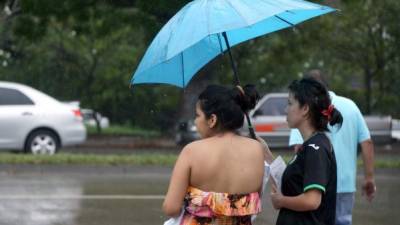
203,29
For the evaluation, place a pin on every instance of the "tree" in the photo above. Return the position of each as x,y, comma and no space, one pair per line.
87,50
366,41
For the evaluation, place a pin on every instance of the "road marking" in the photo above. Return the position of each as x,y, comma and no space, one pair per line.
94,197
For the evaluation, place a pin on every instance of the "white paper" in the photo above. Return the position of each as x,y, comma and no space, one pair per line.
266,177
276,169
175,221
264,184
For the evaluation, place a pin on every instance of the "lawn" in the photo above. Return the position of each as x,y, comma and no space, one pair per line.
162,159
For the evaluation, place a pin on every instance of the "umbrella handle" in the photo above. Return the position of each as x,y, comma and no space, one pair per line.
237,81
233,65
251,129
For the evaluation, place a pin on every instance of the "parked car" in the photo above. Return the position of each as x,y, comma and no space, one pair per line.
90,117
269,119
269,122
396,129
34,122
186,132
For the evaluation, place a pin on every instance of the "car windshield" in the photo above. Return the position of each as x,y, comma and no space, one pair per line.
274,107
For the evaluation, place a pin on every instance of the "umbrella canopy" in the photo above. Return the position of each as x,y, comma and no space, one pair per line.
195,35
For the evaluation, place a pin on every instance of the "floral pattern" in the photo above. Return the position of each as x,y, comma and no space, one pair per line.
206,208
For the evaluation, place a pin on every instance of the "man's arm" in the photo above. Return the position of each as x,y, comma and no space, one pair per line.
368,187
367,150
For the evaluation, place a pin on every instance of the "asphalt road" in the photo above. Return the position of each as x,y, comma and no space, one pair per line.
119,195
112,195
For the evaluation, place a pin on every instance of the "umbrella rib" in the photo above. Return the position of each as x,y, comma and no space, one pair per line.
178,18
291,24
183,71
241,16
220,44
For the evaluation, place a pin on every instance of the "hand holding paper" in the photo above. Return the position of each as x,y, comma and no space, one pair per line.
277,168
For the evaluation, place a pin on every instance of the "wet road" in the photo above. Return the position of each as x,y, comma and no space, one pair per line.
48,195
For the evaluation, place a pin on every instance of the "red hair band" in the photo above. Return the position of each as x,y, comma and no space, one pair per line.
328,112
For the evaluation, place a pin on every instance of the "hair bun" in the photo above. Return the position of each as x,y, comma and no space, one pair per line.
248,99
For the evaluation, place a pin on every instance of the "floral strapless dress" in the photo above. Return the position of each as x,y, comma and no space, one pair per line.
204,208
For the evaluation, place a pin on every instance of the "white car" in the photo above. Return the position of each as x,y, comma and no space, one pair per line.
269,121
35,122
396,129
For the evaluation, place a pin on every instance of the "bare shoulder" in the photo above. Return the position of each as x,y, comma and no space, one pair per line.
194,146
251,141
252,144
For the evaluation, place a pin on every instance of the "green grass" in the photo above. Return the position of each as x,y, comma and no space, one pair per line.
89,159
390,164
124,130
159,159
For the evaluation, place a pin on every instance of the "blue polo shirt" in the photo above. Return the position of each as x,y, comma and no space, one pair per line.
354,130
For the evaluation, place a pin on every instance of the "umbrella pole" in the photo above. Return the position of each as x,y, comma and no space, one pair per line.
237,81
233,65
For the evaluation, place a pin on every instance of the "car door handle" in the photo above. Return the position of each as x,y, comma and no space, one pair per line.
27,114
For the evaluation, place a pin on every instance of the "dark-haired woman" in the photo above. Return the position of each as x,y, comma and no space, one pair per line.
218,178
308,192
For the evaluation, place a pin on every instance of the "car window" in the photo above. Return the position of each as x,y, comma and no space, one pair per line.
10,96
275,106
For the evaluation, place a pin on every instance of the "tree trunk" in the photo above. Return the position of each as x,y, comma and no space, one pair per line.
368,90
191,92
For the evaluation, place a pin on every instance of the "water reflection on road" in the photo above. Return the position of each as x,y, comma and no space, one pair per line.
135,197
35,200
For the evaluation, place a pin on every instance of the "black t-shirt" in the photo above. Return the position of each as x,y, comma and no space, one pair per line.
313,167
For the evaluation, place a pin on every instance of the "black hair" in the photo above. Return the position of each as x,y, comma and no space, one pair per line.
228,104
309,91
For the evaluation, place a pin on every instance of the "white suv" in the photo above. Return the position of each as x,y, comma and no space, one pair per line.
35,122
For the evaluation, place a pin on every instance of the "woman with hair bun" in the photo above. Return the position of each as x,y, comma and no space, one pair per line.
308,191
217,179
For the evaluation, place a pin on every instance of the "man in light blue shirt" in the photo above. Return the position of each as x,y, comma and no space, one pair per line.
345,140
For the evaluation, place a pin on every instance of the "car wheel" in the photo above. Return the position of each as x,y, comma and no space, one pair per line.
42,142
